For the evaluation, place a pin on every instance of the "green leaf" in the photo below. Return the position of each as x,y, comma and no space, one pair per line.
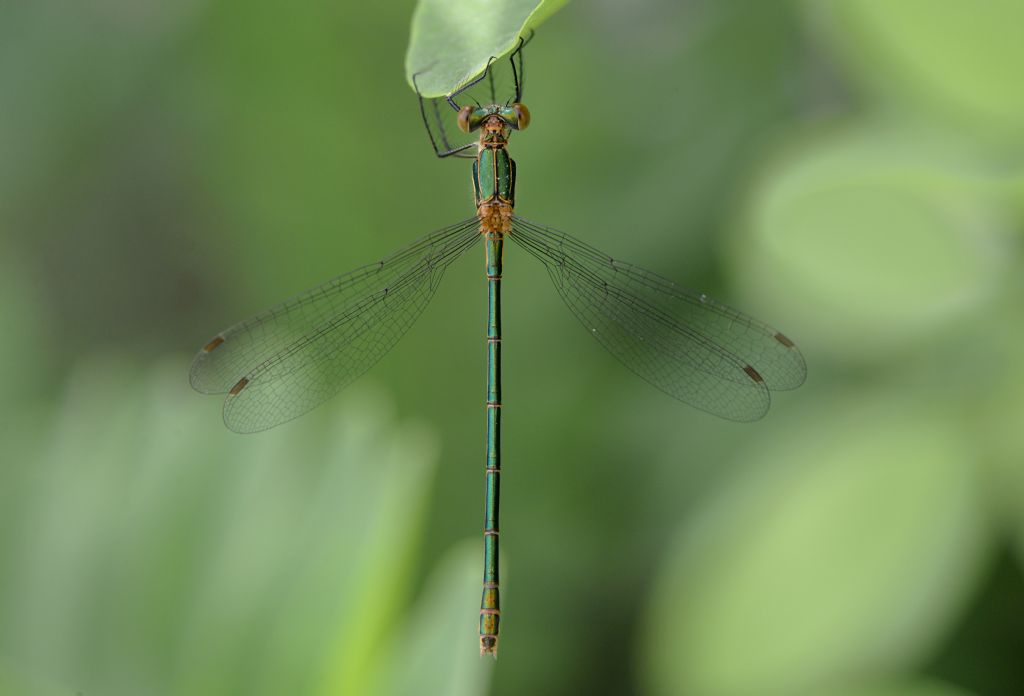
451,42
844,551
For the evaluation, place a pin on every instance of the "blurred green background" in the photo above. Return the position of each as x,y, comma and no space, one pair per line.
852,172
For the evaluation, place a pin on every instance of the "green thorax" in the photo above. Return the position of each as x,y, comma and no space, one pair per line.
494,173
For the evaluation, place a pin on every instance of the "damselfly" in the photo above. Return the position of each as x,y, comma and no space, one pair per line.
289,359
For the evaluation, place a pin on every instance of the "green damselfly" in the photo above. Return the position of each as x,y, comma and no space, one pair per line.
285,361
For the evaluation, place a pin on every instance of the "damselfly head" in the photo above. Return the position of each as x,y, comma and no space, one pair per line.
515,116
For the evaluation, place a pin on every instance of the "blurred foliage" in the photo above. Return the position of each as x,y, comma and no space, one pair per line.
852,172
166,558
895,582
450,43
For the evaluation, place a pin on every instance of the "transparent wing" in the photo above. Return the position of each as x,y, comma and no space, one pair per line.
292,357
691,347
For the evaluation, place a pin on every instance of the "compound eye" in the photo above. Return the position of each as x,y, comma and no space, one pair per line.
522,115
465,114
